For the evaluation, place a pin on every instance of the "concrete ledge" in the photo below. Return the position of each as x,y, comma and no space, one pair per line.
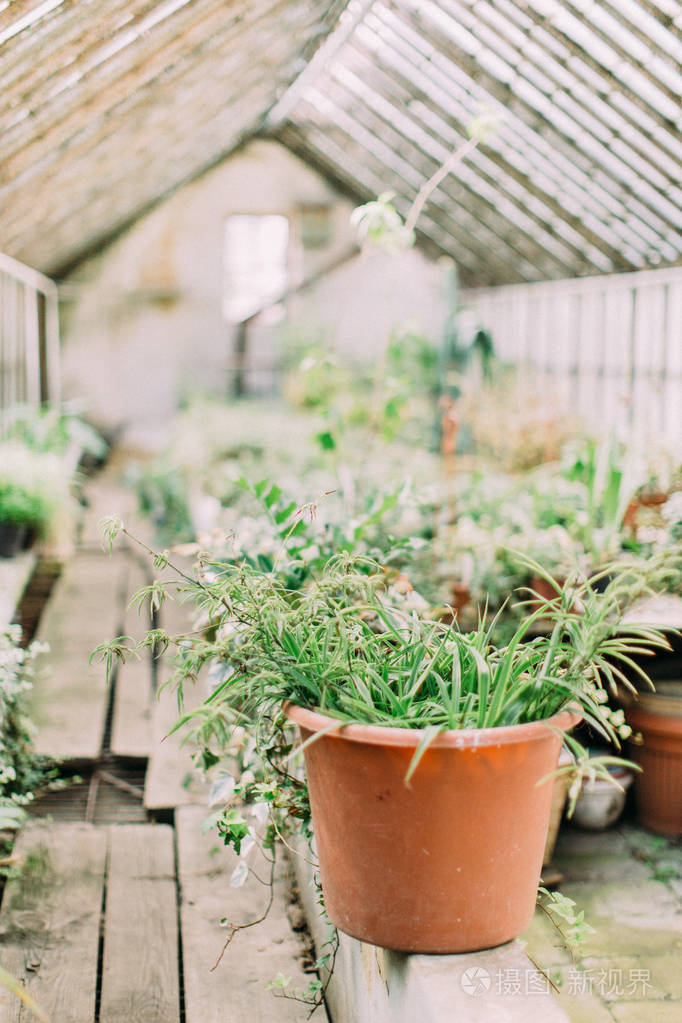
14,575
375,985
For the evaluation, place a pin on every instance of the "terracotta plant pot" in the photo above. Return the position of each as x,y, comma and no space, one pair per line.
461,595
559,797
460,598
658,788
449,863
543,588
653,498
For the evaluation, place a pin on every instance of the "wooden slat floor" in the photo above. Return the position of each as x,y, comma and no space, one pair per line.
120,923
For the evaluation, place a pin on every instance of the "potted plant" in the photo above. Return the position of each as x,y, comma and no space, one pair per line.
428,751
23,510
35,496
599,804
657,719
655,712
557,552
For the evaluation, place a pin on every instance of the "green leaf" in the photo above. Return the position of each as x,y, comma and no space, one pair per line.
326,440
272,496
427,738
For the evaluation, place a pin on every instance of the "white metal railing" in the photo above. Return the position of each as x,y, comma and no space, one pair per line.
610,347
29,339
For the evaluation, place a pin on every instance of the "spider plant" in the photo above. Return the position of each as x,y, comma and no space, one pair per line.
343,646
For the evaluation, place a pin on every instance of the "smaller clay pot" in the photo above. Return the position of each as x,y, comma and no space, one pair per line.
600,803
651,500
630,517
461,595
544,589
655,497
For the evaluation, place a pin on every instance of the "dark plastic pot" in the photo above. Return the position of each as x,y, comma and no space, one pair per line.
12,536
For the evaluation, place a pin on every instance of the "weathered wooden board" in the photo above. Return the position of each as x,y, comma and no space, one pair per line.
131,728
107,496
171,777
131,733
69,700
237,989
50,920
140,979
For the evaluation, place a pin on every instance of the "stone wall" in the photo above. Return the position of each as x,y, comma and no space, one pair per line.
142,320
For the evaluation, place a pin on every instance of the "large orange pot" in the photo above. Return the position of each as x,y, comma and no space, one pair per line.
448,863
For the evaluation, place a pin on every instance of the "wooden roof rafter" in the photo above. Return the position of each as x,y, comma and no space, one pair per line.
440,88
596,117
93,125
323,151
444,134
461,223
599,203
474,198
108,106
531,120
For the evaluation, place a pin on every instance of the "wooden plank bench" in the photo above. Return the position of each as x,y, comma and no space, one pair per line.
69,701
237,989
70,698
89,926
171,778
134,699
140,974
50,921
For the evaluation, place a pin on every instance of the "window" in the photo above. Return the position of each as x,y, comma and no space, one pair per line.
255,265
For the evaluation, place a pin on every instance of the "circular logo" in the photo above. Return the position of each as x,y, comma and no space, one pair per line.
475,981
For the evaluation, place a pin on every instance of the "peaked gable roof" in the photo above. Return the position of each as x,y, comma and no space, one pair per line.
107,106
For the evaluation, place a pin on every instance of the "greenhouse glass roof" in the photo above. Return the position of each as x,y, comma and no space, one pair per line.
107,106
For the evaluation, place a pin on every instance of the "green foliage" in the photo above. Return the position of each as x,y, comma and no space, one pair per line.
162,496
610,479
109,528
117,650
233,828
661,856
586,767
570,922
22,772
343,646
58,431
316,376
297,545
23,507
34,488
